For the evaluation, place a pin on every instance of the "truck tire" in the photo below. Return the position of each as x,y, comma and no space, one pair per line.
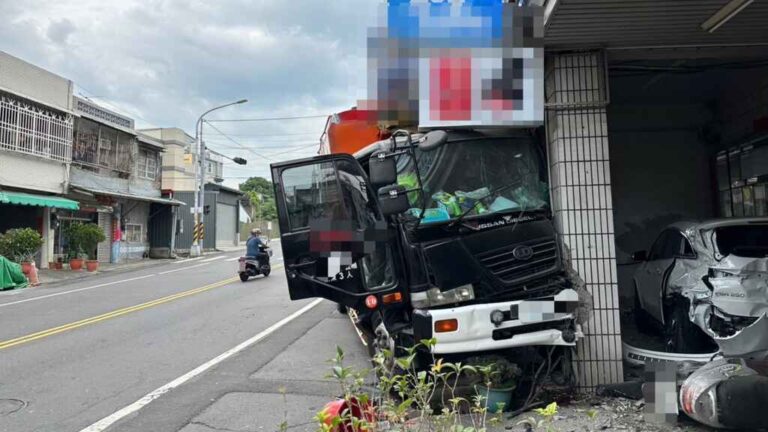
680,334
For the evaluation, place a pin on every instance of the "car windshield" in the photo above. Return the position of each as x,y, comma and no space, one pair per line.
478,176
743,240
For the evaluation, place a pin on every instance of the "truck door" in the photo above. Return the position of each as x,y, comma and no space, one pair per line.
334,237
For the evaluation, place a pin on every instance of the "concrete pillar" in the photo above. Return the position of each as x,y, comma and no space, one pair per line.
577,134
46,252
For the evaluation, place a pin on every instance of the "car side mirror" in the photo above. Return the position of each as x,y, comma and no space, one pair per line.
393,199
382,169
640,256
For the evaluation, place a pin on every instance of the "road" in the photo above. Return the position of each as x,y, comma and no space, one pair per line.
75,354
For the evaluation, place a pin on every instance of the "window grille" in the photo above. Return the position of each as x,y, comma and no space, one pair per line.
31,129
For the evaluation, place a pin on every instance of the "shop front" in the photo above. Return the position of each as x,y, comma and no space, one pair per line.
39,212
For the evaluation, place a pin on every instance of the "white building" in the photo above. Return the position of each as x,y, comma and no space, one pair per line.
36,120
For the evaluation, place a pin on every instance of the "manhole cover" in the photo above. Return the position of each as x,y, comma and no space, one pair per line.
10,406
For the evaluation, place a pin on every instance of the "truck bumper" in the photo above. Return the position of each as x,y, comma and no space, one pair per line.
476,330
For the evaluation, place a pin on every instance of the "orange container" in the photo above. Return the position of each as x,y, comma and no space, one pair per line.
350,131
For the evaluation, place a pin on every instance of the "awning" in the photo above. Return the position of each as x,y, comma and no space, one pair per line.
20,198
159,200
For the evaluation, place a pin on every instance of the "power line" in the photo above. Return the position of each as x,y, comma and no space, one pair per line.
267,135
267,119
237,143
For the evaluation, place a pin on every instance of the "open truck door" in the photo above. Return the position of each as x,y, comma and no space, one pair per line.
334,236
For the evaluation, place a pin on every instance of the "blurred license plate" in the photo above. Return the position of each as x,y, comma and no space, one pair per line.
536,311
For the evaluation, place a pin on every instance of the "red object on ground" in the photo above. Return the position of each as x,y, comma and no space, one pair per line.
341,408
32,275
92,265
351,130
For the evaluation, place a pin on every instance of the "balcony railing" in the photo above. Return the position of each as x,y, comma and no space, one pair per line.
31,129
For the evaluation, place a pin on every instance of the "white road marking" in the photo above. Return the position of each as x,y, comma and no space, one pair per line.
184,268
108,421
74,290
214,258
186,260
234,259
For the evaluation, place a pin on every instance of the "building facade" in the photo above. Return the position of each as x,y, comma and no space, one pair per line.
222,204
36,124
115,175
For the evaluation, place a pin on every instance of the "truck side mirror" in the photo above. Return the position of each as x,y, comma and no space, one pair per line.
393,199
640,256
382,169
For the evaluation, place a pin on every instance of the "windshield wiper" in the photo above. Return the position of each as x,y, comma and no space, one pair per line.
480,200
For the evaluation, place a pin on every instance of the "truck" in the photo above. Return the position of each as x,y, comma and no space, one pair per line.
444,235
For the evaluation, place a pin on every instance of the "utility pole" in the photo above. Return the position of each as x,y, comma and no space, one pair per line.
198,234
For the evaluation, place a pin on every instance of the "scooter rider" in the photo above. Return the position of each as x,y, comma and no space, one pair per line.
253,246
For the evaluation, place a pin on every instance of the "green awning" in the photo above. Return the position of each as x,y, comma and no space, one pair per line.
20,198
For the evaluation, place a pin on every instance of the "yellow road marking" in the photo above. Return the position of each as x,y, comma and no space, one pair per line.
114,314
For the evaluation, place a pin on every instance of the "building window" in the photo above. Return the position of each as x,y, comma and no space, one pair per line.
146,165
133,233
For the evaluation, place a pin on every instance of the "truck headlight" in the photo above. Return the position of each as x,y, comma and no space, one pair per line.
435,297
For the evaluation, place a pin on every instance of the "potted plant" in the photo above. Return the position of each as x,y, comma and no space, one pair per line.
91,236
22,244
74,236
499,380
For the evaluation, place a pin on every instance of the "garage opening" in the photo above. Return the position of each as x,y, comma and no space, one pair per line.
688,142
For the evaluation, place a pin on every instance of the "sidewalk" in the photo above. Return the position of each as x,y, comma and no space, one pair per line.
299,371
49,277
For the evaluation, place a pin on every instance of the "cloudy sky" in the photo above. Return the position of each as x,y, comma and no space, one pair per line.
164,62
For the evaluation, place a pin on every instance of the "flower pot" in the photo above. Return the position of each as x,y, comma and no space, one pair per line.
59,265
26,267
52,265
92,265
76,264
495,396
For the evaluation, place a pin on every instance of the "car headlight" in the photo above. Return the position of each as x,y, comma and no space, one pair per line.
435,297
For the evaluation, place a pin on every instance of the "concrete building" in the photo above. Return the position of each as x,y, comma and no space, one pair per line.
178,180
656,111
115,176
36,121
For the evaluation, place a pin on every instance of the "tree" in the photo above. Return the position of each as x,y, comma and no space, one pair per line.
262,197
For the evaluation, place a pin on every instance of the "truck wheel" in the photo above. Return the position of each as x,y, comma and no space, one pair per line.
680,334
244,277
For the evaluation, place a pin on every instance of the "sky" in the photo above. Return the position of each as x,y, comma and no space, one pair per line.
165,62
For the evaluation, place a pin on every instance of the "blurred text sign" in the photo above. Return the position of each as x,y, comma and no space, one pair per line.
457,63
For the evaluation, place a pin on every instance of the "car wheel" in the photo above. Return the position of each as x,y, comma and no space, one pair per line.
680,334
244,276
643,320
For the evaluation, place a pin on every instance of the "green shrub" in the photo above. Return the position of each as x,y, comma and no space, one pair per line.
20,244
83,238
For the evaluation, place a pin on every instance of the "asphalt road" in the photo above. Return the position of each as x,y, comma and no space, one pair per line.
74,354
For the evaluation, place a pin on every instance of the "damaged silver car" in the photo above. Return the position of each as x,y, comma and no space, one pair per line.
705,282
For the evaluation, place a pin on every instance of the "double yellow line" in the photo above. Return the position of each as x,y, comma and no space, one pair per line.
109,315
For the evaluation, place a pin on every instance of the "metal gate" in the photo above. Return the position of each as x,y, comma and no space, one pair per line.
226,219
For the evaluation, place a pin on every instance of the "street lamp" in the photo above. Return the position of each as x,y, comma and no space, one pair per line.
199,230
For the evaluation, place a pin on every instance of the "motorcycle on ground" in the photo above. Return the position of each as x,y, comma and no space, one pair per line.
253,266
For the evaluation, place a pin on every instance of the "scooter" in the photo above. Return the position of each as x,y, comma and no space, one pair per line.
253,266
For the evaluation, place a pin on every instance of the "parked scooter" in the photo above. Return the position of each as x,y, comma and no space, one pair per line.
252,266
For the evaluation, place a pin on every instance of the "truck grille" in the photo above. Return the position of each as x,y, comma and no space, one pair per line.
503,264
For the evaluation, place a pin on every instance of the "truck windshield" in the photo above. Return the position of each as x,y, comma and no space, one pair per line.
493,175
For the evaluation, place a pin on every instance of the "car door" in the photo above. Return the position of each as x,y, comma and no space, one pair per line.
335,240
652,275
